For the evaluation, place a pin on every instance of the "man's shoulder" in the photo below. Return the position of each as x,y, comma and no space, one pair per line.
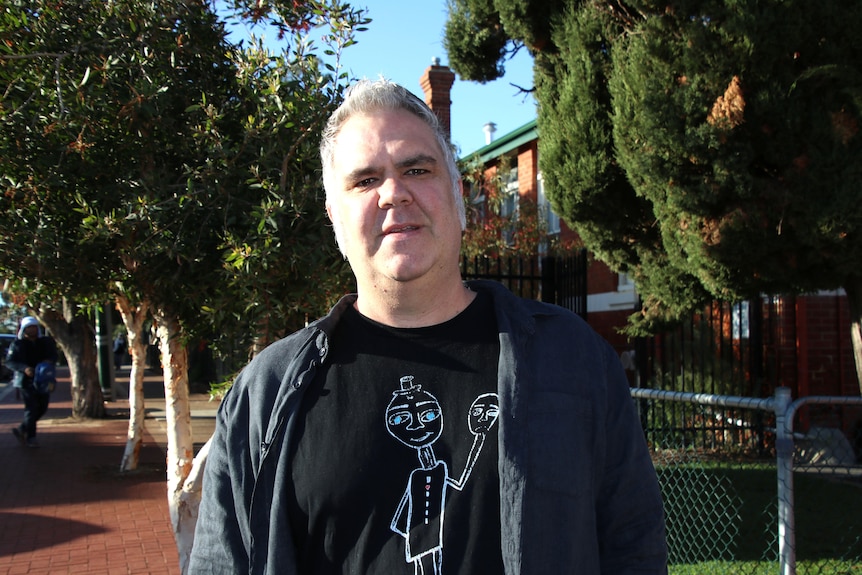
296,350
546,325
279,354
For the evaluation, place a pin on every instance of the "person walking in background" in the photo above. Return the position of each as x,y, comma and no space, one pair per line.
426,425
119,350
24,355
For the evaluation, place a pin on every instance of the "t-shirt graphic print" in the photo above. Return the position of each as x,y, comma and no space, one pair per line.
415,418
394,469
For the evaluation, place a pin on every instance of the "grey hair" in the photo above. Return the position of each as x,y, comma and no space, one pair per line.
367,96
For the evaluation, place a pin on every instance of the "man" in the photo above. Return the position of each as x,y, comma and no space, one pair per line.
24,354
425,425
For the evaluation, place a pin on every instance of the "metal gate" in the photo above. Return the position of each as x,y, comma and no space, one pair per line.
561,280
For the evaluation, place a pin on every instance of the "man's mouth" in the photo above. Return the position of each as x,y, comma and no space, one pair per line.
401,229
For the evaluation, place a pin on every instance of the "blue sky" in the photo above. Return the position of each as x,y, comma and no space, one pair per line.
401,42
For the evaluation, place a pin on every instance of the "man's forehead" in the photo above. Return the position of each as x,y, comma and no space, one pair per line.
385,126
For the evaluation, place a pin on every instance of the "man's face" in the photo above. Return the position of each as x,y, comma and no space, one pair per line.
31,332
391,199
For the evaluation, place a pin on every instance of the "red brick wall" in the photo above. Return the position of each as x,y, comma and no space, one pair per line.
600,278
782,362
607,324
824,347
528,169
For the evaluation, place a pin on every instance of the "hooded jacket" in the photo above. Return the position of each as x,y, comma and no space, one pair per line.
578,492
24,353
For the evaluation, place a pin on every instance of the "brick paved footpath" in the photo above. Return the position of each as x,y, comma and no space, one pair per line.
65,508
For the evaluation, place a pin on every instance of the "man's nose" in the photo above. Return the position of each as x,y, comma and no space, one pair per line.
393,192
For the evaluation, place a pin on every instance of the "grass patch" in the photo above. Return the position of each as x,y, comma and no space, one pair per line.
766,568
722,518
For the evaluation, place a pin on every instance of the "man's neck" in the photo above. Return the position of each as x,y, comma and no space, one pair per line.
402,305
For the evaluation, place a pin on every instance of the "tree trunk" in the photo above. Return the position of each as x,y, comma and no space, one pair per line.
179,431
189,503
133,319
76,337
853,287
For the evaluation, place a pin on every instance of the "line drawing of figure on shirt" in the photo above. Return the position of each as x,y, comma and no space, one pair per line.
414,417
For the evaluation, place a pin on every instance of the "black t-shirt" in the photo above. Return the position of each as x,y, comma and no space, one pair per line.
396,461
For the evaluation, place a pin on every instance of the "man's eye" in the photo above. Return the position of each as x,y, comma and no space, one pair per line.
364,183
416,171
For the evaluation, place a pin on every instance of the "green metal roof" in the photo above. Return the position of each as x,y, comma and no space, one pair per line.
506,143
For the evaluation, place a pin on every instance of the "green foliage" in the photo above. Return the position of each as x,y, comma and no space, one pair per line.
577,148
96,139
280,265
481,34
140,150
475,40
710,149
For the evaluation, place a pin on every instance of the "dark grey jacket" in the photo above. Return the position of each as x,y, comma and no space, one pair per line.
578,491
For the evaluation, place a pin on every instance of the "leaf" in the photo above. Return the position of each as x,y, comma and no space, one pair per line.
85,78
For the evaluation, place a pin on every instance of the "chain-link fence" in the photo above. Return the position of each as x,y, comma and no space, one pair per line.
758,486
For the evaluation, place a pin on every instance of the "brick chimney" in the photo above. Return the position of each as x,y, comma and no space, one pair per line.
437,84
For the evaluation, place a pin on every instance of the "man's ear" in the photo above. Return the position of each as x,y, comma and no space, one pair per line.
328,210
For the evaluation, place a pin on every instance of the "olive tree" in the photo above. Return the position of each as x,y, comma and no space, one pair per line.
159,163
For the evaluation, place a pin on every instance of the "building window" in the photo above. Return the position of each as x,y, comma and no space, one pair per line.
509,206
510,203
740,320
625,282
551,220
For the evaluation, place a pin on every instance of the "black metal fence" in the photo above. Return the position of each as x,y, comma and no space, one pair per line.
725,349
561,280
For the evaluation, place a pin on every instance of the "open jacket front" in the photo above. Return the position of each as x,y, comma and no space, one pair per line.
578,492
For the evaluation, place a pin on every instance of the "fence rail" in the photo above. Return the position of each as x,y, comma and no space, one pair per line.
693,490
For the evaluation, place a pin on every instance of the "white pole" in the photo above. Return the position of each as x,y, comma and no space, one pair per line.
784,456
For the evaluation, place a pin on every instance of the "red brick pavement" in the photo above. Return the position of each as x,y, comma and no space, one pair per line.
65,508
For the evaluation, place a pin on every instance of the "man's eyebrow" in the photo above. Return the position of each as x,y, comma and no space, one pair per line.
418,159
360,174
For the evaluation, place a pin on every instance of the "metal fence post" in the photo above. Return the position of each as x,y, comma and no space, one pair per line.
784,464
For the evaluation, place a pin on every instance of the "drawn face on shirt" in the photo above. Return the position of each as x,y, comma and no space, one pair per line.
414,418
483,413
